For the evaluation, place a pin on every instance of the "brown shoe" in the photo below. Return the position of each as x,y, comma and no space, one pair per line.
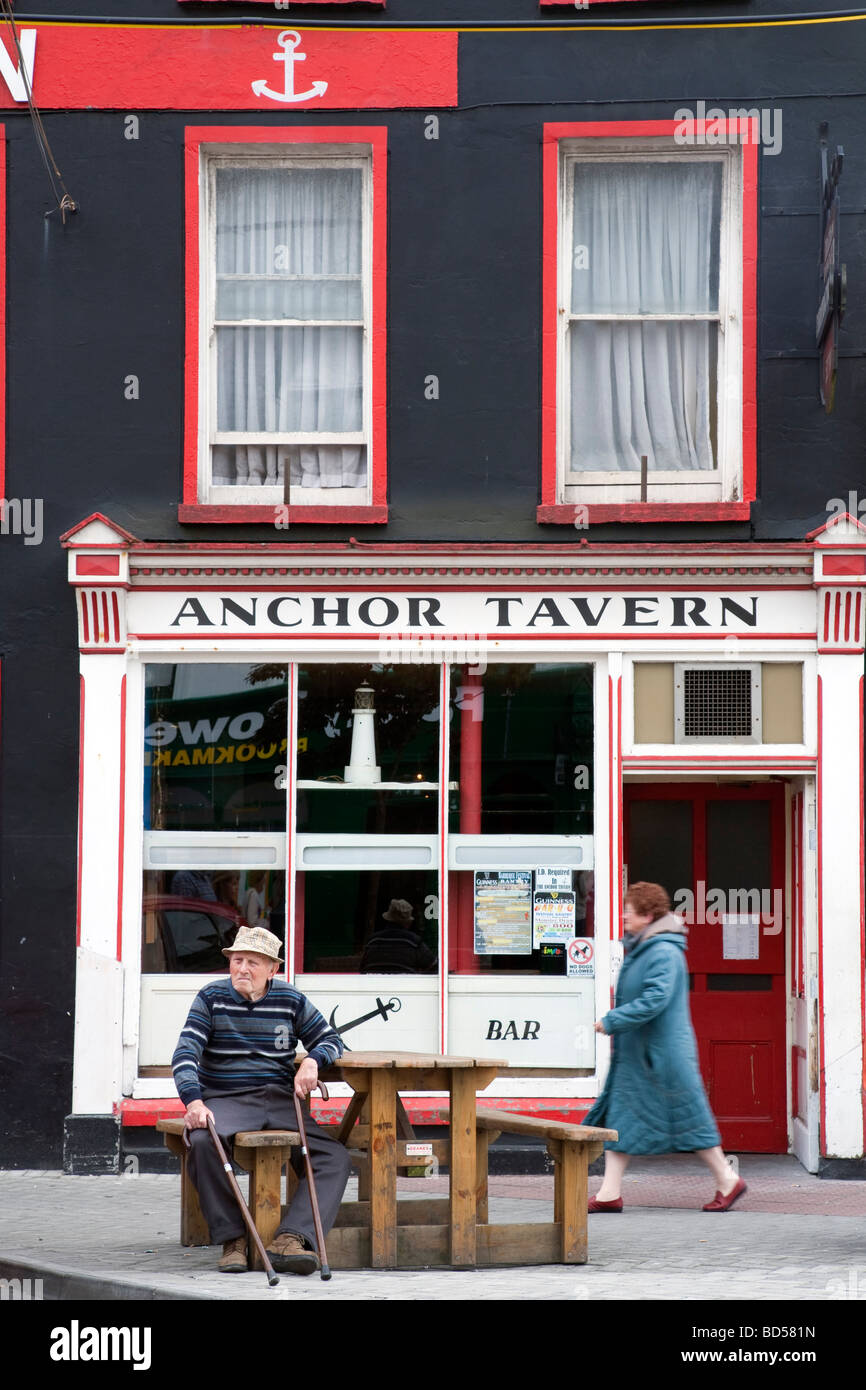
289,1255
234,1256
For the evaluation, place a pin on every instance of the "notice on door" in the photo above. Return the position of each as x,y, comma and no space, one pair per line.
741,936
503,912
552,917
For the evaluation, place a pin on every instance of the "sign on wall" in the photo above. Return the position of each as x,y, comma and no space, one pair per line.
423,626
228,69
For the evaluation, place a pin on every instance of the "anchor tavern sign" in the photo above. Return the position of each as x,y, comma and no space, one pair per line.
289,41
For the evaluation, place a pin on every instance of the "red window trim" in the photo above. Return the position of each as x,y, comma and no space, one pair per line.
553,511
2,312
191,509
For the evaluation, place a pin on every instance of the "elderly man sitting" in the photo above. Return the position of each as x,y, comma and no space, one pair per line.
234,1062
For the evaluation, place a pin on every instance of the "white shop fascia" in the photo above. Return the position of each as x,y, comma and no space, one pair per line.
445,611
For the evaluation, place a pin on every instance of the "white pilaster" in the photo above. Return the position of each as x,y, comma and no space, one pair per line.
840,577
99,574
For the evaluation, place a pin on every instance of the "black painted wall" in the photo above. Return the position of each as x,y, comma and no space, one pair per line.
102,297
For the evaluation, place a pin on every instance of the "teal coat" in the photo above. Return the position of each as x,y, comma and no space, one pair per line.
654,1096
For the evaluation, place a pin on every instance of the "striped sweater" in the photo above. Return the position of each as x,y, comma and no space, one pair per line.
230,1044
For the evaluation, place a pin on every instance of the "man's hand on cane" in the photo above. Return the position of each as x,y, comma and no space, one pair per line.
197,1115
306,1078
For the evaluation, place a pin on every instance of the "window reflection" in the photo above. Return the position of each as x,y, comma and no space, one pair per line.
368,749
215,746
190,915
367,922
522,749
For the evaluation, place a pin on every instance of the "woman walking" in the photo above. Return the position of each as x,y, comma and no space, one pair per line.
654,1096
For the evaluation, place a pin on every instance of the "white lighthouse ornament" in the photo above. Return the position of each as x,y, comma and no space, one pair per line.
362,770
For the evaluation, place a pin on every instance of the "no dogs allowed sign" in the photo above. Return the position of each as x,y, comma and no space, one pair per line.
581,958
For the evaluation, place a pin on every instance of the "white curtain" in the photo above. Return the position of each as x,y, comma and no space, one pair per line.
289,246
645,240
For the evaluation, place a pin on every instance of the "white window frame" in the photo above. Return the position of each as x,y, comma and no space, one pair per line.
283,156
725,482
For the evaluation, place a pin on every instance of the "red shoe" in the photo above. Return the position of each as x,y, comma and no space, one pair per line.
595,1205
721,1203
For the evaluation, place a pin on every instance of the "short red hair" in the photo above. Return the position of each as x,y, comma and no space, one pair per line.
648,899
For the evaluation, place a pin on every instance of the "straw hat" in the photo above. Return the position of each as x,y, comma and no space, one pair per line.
256,939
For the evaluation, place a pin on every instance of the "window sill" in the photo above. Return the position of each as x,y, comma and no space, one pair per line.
204,512
582,515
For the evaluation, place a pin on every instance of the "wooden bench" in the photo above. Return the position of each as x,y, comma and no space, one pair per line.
572,1148
263,1154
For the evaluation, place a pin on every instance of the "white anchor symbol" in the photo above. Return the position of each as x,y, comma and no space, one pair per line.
289,40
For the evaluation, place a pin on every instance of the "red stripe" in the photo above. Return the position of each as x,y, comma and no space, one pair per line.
750,320
444,926
291,757
3,311
422,1109
619,802
500,636
121,819
836,605
847,628
819,788
358,549
862,920
80,805
191,509
94,612
550,290
106,631
826,637
563,514
553,133
793,894
857,638
528,586
85,625
116,613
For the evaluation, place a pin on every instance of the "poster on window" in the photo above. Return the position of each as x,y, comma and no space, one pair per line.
558,880
552,918
503,912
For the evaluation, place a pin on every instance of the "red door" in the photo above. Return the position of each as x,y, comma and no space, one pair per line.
720,853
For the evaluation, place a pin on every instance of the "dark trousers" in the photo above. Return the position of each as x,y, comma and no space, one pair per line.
269,1107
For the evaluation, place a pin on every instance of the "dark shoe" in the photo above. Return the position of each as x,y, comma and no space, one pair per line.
288,1255
721,1203
234,1256
595,1205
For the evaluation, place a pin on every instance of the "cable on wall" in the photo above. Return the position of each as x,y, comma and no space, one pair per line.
65,202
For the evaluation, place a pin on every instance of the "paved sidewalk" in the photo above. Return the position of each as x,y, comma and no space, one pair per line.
792,1237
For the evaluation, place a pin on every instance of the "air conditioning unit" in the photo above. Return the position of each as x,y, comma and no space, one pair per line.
717,702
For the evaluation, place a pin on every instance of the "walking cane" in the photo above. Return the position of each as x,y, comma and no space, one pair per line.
273,1277
314,1201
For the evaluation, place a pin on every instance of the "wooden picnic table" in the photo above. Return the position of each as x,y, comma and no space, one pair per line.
377,1231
